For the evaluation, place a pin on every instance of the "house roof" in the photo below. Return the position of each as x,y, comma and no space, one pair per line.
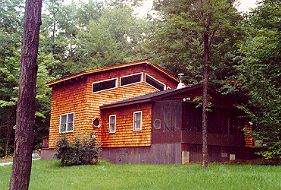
108,68
162,94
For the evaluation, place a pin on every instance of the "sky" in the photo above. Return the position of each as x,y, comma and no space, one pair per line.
243,6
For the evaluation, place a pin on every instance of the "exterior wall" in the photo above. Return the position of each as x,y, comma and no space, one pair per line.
125,136
77,96
95,100
69,98
154,154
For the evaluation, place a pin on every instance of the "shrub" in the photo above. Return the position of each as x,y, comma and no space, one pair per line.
84,152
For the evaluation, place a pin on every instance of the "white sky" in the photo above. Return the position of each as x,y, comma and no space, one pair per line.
242,6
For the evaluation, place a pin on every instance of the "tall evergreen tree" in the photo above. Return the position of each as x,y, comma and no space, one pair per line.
259,74
175,41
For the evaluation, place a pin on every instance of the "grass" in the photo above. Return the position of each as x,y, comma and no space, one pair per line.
48,175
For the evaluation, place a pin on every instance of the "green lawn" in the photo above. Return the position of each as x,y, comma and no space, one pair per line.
47,175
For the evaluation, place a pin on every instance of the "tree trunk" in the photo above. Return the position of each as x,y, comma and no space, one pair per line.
26,100
204,109
206,57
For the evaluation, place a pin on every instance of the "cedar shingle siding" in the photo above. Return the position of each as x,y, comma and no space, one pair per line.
75,95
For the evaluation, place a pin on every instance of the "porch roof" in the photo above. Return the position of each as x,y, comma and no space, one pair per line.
163,94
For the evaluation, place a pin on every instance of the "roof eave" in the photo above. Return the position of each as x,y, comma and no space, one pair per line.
145,61
116,105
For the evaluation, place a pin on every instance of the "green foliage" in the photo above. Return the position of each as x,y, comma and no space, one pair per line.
260,74
112,38
10,33
79,153
176,39
10,42
89,35
198,102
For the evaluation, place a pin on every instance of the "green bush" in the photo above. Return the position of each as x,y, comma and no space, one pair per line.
84,152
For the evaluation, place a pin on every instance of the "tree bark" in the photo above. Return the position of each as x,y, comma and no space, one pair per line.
26,98
206,57
204,109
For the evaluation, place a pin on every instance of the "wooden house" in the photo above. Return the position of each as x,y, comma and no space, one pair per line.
138,115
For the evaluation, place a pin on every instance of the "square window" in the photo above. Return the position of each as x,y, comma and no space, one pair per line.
66,122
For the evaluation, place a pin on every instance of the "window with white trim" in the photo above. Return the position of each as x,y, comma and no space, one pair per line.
112,123
104,85
137,121
66,122
155,83
130,79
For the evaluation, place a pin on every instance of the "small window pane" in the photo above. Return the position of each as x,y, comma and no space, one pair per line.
130,79
70,118
63,119
154,83
70,127
104,85
62,127
137,121
112,123
63,123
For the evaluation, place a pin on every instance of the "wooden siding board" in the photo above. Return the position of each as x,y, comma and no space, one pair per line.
154,154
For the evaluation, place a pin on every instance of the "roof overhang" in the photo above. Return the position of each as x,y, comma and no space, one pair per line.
166,95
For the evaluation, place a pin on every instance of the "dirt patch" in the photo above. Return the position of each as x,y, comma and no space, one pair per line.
4,160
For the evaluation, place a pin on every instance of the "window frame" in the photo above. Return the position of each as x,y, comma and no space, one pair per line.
165,86
141,73
66,131
112,132
116,85
134,129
